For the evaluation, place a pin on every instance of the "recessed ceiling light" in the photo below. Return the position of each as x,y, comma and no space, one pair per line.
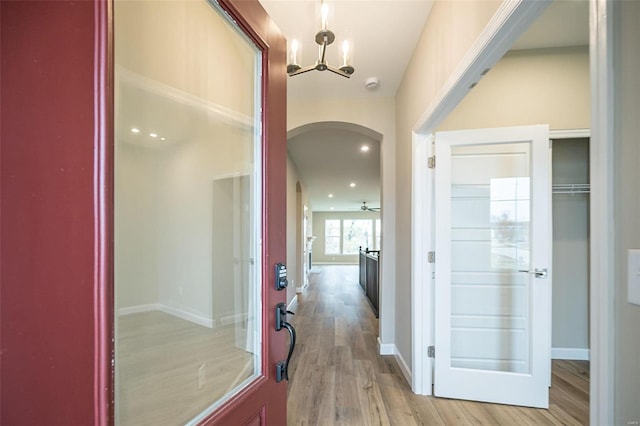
163,139
364,148
352,184
135,130
153,135
330,195
330,208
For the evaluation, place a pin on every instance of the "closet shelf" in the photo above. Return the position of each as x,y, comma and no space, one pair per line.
571,188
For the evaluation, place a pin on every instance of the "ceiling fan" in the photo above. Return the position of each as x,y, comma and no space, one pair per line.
365,208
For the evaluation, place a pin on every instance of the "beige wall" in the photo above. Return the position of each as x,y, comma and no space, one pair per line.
165,206
318,230
147,47
376,114
546,86
136,200
164,224
626,27
451,29
295,269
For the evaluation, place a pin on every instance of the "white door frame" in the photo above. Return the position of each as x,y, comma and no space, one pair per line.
422,283
602,337
504,28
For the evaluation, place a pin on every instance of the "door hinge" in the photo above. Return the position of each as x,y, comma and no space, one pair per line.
431,351
431,257
431,162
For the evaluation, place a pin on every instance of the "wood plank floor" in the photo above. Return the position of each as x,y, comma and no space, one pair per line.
337,378
169,370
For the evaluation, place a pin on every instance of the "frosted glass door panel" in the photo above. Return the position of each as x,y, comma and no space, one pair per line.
492,312
187,211
490,187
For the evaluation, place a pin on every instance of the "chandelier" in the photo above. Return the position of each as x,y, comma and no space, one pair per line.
324,38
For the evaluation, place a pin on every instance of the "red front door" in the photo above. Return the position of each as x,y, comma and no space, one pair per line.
57,217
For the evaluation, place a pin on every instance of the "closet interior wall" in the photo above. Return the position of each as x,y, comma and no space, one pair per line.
570,165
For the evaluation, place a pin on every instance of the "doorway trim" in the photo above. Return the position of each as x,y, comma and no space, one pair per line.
387,217
505,27
422,281
601,164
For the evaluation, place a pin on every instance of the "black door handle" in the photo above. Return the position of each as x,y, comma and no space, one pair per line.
282,367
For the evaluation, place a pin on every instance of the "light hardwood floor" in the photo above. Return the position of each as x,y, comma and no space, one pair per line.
337,378
169,370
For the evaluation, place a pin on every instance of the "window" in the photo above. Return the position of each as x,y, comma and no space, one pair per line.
332,236
357,233
346,236
510,210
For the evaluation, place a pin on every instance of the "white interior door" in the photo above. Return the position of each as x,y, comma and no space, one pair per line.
493,232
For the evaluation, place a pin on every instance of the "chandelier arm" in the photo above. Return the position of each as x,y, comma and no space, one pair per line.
303,70
337,71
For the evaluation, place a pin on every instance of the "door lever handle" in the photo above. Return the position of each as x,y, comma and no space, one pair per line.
281,316
538,272
282,367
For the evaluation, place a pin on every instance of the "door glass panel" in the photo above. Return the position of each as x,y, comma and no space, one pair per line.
187,211
490,225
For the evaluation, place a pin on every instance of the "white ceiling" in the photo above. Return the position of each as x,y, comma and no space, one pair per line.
384,34
330,160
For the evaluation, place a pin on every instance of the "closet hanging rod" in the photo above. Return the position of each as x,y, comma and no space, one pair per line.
571,188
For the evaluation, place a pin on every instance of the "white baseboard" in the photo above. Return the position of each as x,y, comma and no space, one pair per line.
337,263
191,317
386,348
570,353
139,309
293,304
188,316
406,371
233,319
391,349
